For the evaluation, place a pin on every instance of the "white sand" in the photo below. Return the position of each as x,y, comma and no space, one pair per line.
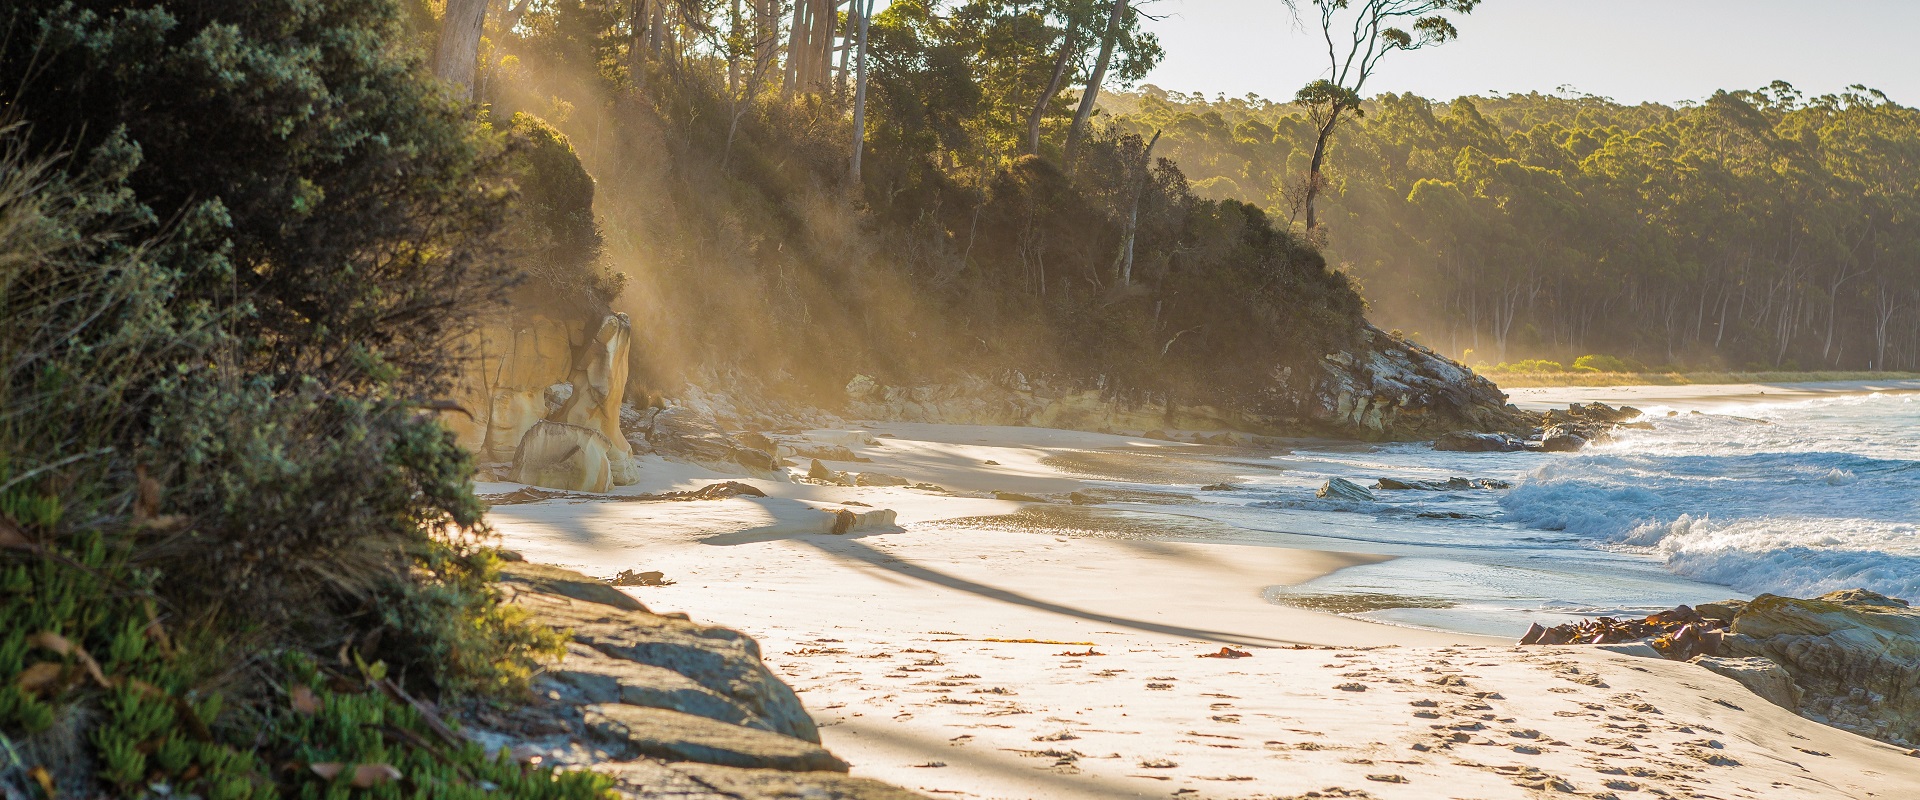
884,629
1703,395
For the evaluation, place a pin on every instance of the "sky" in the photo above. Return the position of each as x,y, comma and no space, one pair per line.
1663,51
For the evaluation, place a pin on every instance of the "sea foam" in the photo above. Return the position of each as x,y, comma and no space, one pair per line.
1797,498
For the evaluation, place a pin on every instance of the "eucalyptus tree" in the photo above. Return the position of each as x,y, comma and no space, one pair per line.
1137,51
1367,31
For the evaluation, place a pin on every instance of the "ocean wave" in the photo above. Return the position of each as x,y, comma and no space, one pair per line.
1825,499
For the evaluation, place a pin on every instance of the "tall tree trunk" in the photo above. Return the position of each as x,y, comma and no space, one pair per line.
1133,217
1099,76
458,54
846,49
639,27
860,95
1315,178
823,46
1067,42
796,48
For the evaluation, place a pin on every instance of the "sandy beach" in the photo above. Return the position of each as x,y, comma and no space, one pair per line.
1053,651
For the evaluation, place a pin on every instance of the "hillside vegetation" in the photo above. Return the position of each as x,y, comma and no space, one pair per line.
756,261
1756,230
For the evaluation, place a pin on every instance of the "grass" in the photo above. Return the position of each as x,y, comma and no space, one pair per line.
1522,380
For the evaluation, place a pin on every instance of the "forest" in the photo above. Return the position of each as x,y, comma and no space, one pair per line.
994,222
1758,229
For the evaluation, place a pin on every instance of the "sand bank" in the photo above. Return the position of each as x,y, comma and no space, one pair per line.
1054,661
1542,398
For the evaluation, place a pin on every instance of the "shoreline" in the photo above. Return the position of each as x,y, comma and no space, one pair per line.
1535,398
1698,380
963,661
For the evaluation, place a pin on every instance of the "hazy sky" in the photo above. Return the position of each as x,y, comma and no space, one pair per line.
1630,50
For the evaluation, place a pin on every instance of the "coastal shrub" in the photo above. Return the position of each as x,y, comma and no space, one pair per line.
1531,365
1603,363
553,234
92,674
225,313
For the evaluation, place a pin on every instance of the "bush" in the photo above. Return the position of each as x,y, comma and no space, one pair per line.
1531,365
1600,363
213,456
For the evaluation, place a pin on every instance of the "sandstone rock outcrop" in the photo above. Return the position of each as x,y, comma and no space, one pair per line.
1343,489
1850,659
1854,654
677,736
667,707
1761,676
692,436
1392,388
1384,388
559,455
567,380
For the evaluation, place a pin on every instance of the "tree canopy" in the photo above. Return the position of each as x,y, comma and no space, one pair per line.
1760,228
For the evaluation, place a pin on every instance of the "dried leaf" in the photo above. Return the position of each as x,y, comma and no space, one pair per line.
60,644
12,537
304,701
41,776
146,499
155,632
365,776
40,676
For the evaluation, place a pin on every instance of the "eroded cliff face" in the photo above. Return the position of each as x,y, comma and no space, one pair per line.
545,397
1384,389
1391,388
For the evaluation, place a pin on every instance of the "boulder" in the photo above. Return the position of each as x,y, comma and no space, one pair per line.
559,455
1759,675
1017,497
676,736
878,479
1388,387
1471,442
1156,435
1343,489
523,575
1083,499
1448,485
836,452
724,662
1854,654
685,434
845,520
808,785
757,441
597,679
1559,439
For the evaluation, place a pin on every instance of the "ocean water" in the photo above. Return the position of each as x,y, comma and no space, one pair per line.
1718,500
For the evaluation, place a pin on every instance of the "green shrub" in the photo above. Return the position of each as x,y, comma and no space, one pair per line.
219,317
1529,365
1601,363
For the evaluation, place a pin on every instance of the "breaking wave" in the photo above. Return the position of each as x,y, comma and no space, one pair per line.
1796,498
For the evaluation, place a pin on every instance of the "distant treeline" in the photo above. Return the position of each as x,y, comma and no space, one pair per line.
1757,229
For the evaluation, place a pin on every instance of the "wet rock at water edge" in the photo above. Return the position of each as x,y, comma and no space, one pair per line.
1017,497
1470,442
1561,440
1343,489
